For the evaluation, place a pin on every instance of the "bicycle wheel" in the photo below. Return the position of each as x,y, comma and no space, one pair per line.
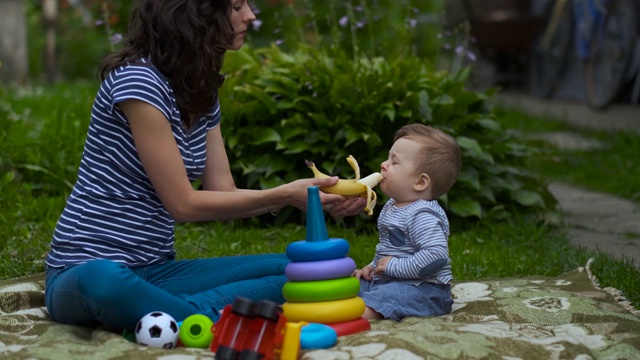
552,49
611,53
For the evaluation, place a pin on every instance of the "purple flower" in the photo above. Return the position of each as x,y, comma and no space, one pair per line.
412,23
255,9
99,22
471,56
279,42
361,24
256,24
116,38
343,21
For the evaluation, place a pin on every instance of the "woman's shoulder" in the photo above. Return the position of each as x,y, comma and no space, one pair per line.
140,70
138,79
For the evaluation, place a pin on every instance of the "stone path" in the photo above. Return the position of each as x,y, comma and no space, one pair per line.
596,220
600,221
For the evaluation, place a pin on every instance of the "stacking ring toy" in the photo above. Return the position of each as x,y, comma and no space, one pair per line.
351,327
304,250
317,336
321,290
324,312
195,331
320,270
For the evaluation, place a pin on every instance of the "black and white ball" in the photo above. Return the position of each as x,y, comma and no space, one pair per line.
157,329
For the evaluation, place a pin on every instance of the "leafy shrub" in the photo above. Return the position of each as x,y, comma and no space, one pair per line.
282,108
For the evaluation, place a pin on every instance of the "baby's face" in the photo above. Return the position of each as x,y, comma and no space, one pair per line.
399,171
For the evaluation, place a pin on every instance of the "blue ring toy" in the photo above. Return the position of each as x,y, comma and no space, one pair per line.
317,250
317,336
320,270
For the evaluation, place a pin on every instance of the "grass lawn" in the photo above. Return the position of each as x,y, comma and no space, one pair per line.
613,168
41,136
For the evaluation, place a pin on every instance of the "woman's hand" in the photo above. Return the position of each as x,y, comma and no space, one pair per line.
337,206
298,192
346,207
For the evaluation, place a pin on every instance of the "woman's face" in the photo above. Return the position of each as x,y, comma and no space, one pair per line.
241,17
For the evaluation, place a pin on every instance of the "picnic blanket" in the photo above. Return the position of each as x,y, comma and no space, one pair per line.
564,317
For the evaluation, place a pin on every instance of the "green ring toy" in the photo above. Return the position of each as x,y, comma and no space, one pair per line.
321,290
195,331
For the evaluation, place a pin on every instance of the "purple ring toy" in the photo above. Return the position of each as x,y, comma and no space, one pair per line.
320,270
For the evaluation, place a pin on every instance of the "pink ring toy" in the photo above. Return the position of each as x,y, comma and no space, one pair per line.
320,270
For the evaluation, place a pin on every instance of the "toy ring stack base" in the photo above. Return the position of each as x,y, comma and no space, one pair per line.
351,326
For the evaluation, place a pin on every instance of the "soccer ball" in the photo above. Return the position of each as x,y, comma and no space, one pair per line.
157,329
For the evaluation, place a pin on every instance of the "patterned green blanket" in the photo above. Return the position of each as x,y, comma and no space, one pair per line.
567,317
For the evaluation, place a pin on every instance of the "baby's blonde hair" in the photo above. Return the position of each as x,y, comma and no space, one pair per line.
439,155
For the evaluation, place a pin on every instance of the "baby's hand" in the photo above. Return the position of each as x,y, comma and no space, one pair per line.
365,273
381,265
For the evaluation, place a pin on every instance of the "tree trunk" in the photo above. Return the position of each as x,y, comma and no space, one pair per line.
49,19
14,58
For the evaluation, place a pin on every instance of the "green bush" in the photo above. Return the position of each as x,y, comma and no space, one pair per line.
282,108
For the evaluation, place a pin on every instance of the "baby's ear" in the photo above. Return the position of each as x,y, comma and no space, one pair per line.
422,182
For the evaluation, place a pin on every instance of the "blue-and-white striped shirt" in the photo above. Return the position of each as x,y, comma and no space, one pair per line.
417,237
113,211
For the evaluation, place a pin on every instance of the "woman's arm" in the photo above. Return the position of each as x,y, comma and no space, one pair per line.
220,200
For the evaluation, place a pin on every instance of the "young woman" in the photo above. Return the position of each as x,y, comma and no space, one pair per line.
155,127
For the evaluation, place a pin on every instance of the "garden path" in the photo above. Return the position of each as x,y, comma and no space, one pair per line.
596,220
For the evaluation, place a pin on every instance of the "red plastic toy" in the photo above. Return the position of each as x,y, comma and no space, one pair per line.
249,331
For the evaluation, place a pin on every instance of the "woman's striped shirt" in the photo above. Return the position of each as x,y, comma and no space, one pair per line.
113,211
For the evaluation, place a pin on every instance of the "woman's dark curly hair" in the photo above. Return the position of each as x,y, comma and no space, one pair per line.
186,40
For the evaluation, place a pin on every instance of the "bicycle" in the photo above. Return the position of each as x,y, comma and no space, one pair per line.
604,37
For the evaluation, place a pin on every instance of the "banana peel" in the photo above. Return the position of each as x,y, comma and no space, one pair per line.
351,187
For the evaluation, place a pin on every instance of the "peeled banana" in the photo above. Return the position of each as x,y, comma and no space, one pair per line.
352,187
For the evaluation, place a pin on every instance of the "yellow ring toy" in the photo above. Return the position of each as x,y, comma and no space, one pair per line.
321,290
324,312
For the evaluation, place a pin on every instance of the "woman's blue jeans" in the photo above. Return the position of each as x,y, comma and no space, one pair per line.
103,291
